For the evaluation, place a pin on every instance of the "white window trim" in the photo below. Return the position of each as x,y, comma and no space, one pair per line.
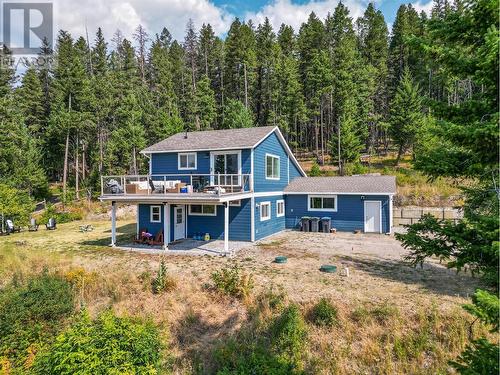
201,213
265,218
151,214
213,154
309,208
187,157
235,203
277,207
279,167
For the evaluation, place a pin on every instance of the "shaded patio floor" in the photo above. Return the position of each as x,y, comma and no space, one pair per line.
188,247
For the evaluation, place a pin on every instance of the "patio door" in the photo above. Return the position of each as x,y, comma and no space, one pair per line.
179,223
226,163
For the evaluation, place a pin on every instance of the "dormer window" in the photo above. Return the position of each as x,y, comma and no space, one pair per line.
187,160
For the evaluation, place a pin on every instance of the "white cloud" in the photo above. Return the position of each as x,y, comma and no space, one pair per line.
126,15
423,6
284,11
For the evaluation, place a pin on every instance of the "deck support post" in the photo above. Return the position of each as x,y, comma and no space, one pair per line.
113,224
226,227
166,225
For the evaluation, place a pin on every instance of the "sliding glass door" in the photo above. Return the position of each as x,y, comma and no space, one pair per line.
225,163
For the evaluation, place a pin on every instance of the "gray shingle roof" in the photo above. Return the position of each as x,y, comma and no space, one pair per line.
343,184
211,140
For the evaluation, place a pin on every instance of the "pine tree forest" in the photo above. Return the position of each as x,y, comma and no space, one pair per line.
338,88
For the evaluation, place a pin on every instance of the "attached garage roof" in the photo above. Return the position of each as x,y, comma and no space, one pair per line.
365,184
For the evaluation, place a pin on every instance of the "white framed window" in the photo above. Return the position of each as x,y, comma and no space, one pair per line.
280,208
235,203
186,160
322,203
272,167
202,210
155,214
265,211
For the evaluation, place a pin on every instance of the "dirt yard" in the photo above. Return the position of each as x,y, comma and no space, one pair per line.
196,318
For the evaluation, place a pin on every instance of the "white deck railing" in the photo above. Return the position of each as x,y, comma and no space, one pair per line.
155,184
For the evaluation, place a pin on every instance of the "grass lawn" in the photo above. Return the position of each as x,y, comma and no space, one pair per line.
391,318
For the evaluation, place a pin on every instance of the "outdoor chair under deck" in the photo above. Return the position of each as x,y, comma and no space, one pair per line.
158,240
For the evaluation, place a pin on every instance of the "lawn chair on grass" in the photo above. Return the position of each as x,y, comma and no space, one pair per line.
11,228
86,228
51,225
158,240
33,227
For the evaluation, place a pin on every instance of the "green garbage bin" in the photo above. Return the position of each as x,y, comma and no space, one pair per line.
326,224
315,224
304,224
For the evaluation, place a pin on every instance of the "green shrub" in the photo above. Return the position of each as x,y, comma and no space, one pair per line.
479,357
107,345
272,347
61,217
324,314
315,170
231,281
288,334
31,315
162,282
15,205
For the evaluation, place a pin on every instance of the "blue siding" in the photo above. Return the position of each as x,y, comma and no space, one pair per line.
271,226
167,163
349,215
239,222
294,171
271,145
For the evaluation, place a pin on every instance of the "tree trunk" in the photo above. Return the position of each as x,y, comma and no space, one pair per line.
134,161
65,170
77,182
338,148
400,153
246,85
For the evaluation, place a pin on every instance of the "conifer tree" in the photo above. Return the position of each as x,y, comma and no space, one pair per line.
406,116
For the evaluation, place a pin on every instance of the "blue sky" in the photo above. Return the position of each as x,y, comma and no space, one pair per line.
76,16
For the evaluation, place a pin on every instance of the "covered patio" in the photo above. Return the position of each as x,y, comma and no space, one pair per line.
187,247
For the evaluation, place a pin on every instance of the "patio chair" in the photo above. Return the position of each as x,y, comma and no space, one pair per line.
33,227
86,228
155,189
140,238
114,187
51,225
11,228
158,240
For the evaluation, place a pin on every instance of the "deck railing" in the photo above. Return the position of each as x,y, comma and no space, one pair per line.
155,184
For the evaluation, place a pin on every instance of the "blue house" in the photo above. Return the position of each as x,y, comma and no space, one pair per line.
241,184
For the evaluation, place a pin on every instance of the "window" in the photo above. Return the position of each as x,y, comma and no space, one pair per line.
202,210
322,203
187,161
272,167
265,211
155,214
235,203
280,208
